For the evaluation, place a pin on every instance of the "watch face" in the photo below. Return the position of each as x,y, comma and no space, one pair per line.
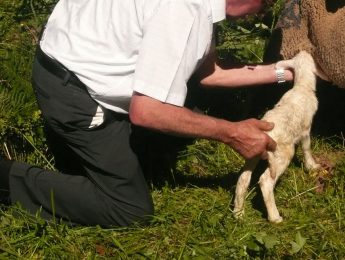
280,74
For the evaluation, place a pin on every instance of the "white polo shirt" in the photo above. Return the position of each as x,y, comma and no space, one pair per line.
116,47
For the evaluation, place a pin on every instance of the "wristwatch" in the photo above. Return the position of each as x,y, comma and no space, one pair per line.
280,74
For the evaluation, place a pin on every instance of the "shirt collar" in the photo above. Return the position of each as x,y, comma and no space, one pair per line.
218,10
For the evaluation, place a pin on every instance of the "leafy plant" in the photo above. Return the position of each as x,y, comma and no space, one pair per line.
298,244
238,43
245,40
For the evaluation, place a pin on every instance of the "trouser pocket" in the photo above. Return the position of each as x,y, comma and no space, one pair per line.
67,106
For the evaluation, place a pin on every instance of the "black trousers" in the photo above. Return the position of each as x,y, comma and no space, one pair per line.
100,180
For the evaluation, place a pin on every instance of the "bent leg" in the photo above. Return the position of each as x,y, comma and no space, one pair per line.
73,198
104,183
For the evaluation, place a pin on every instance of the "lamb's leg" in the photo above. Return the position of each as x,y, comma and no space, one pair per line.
309,161
242,186
278,163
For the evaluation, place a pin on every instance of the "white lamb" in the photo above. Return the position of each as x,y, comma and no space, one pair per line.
292,117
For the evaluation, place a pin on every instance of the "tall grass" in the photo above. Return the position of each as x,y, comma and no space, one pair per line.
194,220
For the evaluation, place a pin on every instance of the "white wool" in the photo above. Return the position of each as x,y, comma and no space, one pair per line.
292,117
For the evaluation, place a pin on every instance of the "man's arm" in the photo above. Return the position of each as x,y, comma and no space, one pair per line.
246,137
213,73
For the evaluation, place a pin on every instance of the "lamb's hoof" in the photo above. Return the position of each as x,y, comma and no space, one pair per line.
238,213
276,220
316,166
313,167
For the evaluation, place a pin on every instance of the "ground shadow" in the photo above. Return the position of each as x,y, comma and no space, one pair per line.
158,155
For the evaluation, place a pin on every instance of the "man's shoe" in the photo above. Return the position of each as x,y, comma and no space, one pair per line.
5,167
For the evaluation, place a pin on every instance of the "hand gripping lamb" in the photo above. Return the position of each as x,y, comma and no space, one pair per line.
292,117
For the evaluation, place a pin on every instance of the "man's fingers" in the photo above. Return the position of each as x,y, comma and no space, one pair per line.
254,141
264,155
265,126
271,145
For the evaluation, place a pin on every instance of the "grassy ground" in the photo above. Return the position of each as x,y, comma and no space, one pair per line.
194,219
193,216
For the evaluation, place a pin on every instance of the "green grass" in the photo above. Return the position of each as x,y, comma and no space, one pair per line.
195,220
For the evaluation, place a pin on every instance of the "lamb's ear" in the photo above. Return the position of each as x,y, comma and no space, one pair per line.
319,72
285,64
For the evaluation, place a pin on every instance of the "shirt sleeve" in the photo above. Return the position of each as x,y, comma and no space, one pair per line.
164,66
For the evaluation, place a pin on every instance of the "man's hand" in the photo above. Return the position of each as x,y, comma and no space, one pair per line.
248,138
